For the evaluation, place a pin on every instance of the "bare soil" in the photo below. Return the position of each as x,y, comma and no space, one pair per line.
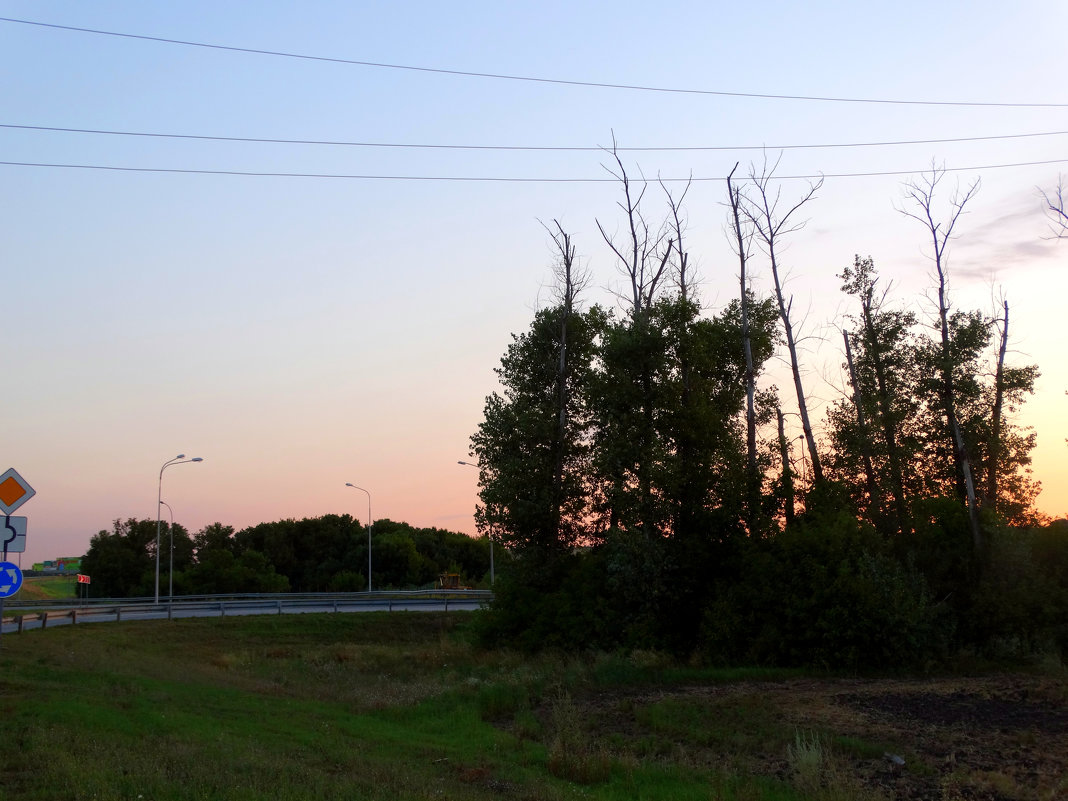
1002,737
990,738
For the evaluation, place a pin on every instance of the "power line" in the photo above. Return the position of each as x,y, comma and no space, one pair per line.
529,148
491,179
531,79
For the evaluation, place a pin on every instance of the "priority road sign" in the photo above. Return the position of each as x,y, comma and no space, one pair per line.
10,579
14,491
12,534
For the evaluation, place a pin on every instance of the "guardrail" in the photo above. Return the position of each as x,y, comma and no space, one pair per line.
40,613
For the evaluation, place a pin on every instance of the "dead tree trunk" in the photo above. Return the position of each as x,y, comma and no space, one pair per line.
752,470
923,195
995,446
643,257
787,470
568,284
770,227
885,406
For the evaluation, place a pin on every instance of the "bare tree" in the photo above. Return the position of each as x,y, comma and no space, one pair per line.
920,196
787,469
1056,211
677,224
771,225
995,446
643,256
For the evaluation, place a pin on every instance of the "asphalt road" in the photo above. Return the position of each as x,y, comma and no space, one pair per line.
113,612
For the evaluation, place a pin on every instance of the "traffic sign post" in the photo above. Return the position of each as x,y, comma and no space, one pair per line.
10,579
83,585
13,534
14,491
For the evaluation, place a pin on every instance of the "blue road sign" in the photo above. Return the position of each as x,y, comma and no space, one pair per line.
10,579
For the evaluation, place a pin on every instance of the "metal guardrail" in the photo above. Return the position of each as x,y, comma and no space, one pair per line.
39,614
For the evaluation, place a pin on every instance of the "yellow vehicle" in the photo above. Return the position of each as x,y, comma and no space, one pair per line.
451,581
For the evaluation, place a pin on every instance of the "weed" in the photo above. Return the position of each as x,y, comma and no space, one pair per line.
502,701
805,756
527,725
572,753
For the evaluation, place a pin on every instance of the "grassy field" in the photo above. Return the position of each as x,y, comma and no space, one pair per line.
400,706
41,588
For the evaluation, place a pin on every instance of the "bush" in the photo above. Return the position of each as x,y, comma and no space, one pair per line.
823,594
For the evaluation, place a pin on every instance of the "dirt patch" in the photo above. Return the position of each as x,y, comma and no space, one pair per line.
1003,737
995,738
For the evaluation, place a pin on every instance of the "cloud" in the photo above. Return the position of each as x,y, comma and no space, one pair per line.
1011,235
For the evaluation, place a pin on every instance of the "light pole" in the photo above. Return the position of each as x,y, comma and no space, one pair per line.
170,572
361,489
179,459
472,464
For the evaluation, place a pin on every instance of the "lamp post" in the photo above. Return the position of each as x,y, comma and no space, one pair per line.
170,572
472,464
361,489
179,459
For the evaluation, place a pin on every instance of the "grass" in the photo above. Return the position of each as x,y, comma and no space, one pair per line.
389,706
46,588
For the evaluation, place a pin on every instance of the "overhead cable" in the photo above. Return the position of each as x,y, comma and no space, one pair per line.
531,79
491,179
527,148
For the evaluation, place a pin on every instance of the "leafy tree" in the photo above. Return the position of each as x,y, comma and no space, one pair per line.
669,404
221,571
122,561
884,375
533,454
213,537
899,385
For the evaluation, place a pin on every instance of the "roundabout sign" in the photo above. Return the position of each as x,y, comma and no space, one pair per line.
10,579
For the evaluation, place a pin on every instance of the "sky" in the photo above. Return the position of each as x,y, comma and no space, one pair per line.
301,333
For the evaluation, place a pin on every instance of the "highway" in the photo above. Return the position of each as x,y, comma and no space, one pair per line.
30,615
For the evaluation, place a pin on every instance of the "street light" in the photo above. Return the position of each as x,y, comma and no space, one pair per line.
170,592
179,459
472,464
361,489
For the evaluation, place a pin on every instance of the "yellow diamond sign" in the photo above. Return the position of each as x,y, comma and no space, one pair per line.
14,491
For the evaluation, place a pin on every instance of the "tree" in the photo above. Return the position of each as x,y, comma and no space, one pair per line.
742,240
213,537
533,443
770,226
219,570
121,561
642,256
922,193
884,378
1056,211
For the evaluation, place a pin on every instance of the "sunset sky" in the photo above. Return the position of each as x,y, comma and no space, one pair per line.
339,320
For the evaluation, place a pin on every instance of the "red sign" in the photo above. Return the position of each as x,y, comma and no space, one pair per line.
83,579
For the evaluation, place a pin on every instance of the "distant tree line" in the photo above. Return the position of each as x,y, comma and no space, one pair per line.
641,470
322,554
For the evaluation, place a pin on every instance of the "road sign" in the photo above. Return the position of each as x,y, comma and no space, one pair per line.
14,491
12,534
83,579
10,579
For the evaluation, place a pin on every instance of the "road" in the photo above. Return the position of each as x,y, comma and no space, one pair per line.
119,610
